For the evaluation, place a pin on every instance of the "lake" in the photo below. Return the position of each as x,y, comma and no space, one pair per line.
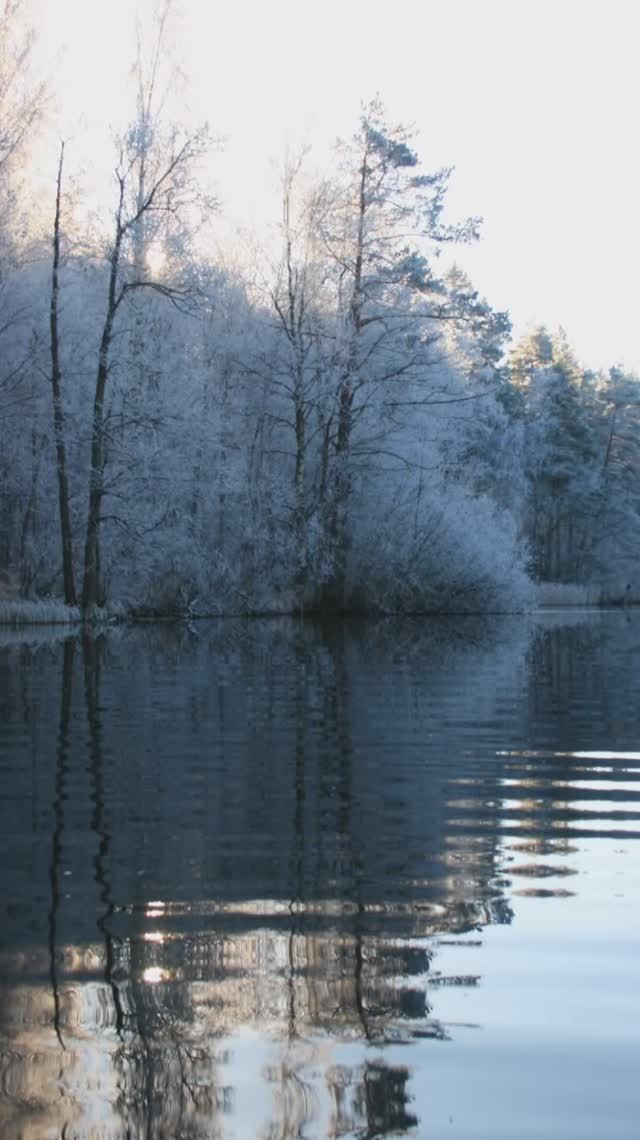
284,880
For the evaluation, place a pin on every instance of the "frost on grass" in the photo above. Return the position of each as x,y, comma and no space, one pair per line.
48,611
558,594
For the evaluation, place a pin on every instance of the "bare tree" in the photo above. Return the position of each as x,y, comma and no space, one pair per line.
295,301
162,196
20,101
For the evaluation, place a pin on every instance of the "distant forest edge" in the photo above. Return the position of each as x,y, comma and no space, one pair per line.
341,424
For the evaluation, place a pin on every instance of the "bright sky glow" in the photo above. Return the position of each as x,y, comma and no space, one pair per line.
534,102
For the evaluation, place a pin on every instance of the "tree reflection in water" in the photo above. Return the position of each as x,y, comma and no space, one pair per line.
251,850
58,829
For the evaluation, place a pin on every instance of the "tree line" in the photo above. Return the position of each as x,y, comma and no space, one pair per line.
341,424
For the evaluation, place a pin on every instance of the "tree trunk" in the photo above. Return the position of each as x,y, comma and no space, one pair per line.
90,585
29,522
91,558
340,522
58,410
342,495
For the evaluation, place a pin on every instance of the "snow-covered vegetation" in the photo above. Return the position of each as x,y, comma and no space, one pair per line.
344,426
49,611
558,595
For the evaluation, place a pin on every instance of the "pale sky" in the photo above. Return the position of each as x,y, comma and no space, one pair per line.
535,102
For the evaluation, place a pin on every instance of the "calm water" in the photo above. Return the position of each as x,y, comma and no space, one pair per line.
282,881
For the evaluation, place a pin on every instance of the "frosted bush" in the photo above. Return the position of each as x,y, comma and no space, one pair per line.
48,611
457,554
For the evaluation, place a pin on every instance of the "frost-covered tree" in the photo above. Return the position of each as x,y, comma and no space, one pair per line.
21,97
166,191
616,523
560,450
22,100
481,438
382,225
368,354
335,428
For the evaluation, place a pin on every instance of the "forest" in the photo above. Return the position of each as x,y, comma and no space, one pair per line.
337,423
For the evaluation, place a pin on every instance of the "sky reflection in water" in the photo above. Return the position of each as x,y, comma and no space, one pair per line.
284,881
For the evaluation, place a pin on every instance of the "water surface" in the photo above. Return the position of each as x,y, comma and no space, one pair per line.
280,880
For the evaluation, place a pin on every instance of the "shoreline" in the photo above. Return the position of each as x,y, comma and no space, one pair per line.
20,613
